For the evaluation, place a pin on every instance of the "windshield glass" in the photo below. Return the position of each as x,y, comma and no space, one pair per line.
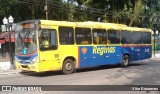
25,41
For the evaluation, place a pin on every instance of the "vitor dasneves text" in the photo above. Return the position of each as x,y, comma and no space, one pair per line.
144,88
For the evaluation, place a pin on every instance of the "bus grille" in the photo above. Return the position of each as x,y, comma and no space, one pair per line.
24,62
24,58
24,66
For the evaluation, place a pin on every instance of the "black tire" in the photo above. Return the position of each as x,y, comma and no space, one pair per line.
125,61
68,66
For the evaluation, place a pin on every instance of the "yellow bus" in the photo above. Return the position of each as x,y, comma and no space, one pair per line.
46,45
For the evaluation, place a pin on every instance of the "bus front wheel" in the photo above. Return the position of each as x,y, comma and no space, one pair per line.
68,66
125,61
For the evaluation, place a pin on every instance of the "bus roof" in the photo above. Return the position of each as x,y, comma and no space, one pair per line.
61,23
86,24
137,29
91,24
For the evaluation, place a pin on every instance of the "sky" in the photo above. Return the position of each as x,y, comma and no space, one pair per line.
75,3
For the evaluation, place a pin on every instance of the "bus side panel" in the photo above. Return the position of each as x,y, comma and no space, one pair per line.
49,60
68,51
137,53
141,52
113,54
127,50
98,55
90,56
147,52
85,54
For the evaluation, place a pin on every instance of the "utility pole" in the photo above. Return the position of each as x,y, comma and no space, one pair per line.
46,9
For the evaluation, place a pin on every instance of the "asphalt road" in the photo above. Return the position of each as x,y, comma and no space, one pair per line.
144,72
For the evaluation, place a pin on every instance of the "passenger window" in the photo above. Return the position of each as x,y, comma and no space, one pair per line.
126,37
99,36
113,37
83,36
66,35
146,37
137,37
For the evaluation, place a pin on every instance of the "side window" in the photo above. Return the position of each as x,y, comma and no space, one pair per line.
126,37
146,37
113,37
83,36
47,39
136,37
99,36
66,35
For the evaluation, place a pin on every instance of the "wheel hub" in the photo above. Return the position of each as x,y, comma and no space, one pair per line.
68,66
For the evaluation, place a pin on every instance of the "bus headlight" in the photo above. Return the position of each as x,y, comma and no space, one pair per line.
34,60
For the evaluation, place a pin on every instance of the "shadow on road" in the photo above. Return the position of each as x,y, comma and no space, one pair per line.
55,73
42,74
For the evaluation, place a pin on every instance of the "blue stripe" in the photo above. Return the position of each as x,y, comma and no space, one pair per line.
103,55
26,59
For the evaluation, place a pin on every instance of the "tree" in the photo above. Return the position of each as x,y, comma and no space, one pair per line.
150,14
137,11
130,12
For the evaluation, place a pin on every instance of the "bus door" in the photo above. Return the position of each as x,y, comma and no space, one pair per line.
113,54
49,55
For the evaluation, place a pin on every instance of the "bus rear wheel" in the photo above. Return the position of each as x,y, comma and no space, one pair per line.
125,61
68,66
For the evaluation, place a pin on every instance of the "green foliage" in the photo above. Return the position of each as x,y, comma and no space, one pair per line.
131,12
125,15
150,13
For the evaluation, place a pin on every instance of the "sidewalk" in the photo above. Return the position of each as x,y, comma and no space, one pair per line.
5,66
5,63
156,56
5,69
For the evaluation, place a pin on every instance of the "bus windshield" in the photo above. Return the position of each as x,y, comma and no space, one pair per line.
26,42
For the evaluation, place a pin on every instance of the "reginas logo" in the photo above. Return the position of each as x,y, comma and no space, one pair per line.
84,50
102,50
